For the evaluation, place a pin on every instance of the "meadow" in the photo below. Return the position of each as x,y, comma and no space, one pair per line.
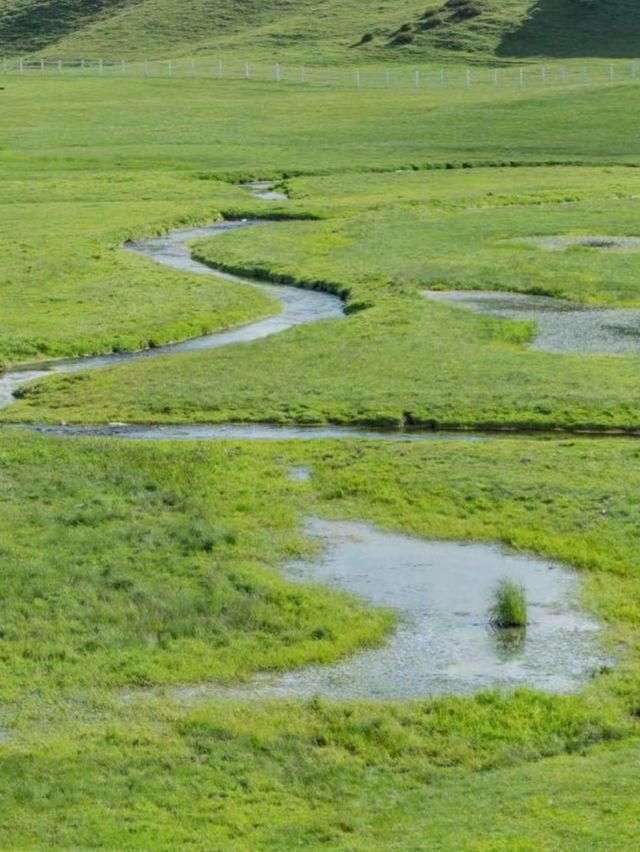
134,567
400,360
156,564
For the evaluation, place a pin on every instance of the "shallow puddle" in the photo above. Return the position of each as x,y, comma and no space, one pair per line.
603,243
299,473
264,190
443,643
247,432
562,326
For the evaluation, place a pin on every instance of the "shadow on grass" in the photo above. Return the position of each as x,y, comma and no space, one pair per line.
574,28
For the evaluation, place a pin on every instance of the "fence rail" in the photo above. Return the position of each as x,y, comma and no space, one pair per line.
418,78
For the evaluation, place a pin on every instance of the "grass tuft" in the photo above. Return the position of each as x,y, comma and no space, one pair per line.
509,605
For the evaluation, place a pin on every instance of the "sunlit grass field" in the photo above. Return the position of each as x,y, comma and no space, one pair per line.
130,566
151,565
400,360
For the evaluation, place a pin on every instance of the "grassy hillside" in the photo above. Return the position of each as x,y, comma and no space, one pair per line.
27,25
308,28
526,28
323,30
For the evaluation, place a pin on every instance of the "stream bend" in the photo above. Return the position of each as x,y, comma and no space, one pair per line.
427,654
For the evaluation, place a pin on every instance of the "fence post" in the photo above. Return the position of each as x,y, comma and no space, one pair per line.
42,66
100,69
387,77
276,72
563,76
247,71
417,79
520,77
467,78
169,69
612,73
358,79
21,66
82,66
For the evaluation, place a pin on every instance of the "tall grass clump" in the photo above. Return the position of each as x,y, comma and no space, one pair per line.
509,605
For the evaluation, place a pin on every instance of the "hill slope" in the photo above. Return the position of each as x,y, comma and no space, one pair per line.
310,29
323,30
527,28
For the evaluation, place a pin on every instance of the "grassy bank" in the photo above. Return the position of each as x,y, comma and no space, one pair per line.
68,288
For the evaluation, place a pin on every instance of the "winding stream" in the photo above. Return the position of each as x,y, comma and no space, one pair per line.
265,191
439,589
298,307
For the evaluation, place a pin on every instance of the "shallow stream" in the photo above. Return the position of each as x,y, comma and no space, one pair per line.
440,590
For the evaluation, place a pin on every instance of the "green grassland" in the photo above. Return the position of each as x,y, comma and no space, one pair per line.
67,288
155,564
399,359
310,31
131,565
306,778
516,29
78,178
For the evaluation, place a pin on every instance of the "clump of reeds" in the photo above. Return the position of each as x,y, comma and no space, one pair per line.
509,605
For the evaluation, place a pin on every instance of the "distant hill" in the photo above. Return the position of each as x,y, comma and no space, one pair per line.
308,29
526,28
323,30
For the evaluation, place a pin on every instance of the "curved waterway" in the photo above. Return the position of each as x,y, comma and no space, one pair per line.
265,190
299,306
440,590
443,643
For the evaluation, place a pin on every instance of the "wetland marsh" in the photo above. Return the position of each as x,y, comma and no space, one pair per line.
144,567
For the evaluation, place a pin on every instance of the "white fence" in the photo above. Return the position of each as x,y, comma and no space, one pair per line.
532,76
